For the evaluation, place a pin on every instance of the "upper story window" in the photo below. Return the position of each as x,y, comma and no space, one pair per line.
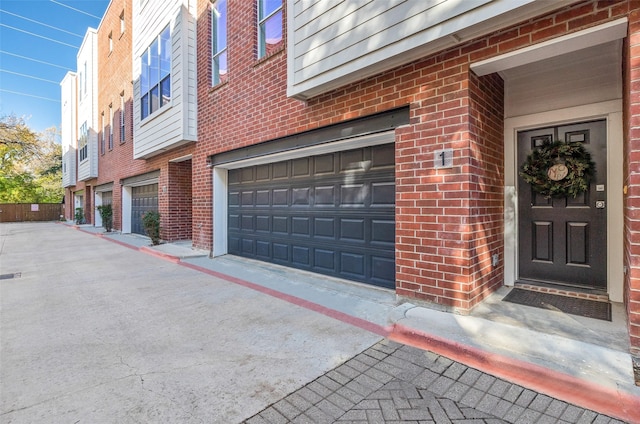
122,117
102,134
122,23
219,41
269,26
110,127
83,149
110,42
81,78
155,75
85,78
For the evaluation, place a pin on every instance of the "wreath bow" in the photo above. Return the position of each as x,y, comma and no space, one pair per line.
577,160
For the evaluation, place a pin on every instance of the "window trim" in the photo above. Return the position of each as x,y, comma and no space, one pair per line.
110,126
83,143
216,54
102,141
147,96
262,44
122,119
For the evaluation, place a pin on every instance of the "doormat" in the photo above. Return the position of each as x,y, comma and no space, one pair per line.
569,305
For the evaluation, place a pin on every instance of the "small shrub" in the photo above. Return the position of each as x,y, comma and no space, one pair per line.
151,223
106,213
79,217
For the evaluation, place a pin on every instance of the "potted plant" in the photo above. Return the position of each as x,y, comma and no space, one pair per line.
151,223
79,217
106,213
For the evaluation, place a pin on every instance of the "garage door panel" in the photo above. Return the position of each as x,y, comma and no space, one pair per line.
383,194
324,164
247,246
383,231
263,198
263,249
382,269
300,256
324,196
262,223
333,214
352,264
281,197
262,173
352,230
300,168
300,196
324,259
324,227
300,226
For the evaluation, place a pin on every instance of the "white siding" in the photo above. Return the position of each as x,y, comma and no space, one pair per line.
88,102
333,43
176,123
68,127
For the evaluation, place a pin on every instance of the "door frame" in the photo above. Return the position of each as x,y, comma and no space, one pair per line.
611,112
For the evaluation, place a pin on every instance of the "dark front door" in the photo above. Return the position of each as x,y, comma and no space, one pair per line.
143,200
333,214
564,240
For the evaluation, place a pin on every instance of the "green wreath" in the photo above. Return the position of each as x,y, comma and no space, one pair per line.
559,169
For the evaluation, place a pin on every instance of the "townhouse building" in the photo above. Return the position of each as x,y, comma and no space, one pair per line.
144,117
79,130
383,142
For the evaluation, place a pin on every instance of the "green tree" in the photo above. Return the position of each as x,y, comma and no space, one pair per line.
30,164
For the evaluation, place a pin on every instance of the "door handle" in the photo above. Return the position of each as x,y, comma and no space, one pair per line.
600,204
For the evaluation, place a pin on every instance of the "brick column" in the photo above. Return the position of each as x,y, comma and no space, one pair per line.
632,181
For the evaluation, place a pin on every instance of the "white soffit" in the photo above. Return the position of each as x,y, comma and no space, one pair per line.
600,34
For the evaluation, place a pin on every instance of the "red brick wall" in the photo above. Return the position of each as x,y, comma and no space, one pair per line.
632,178
448,222
178,197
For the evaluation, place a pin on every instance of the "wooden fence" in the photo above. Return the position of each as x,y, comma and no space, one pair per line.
19,212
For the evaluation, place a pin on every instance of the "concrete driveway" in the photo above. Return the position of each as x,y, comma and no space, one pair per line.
94,332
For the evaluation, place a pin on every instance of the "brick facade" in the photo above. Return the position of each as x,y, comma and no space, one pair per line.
449,223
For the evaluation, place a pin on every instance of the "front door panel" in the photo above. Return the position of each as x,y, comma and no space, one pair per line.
564,240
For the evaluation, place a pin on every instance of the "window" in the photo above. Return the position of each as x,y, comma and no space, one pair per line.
110,127
80,88
110,42
102,134
82,142
85,78
155,75
122,117
269,26
122,23
219,41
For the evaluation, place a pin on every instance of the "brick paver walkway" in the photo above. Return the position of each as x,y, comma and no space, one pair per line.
394,383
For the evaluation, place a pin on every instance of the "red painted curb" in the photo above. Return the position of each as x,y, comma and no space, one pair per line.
621,405
162,255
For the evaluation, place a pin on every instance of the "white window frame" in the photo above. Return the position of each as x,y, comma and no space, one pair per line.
215,53
262,21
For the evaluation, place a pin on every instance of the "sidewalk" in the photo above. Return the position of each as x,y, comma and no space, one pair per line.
578,360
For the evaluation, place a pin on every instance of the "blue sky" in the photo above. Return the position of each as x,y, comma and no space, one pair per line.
39,41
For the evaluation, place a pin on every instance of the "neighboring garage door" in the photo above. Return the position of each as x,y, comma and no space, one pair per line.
333,214
143,199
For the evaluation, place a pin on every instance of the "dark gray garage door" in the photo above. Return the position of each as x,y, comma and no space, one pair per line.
332,214
143,200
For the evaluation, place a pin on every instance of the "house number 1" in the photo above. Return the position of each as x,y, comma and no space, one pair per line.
443,158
